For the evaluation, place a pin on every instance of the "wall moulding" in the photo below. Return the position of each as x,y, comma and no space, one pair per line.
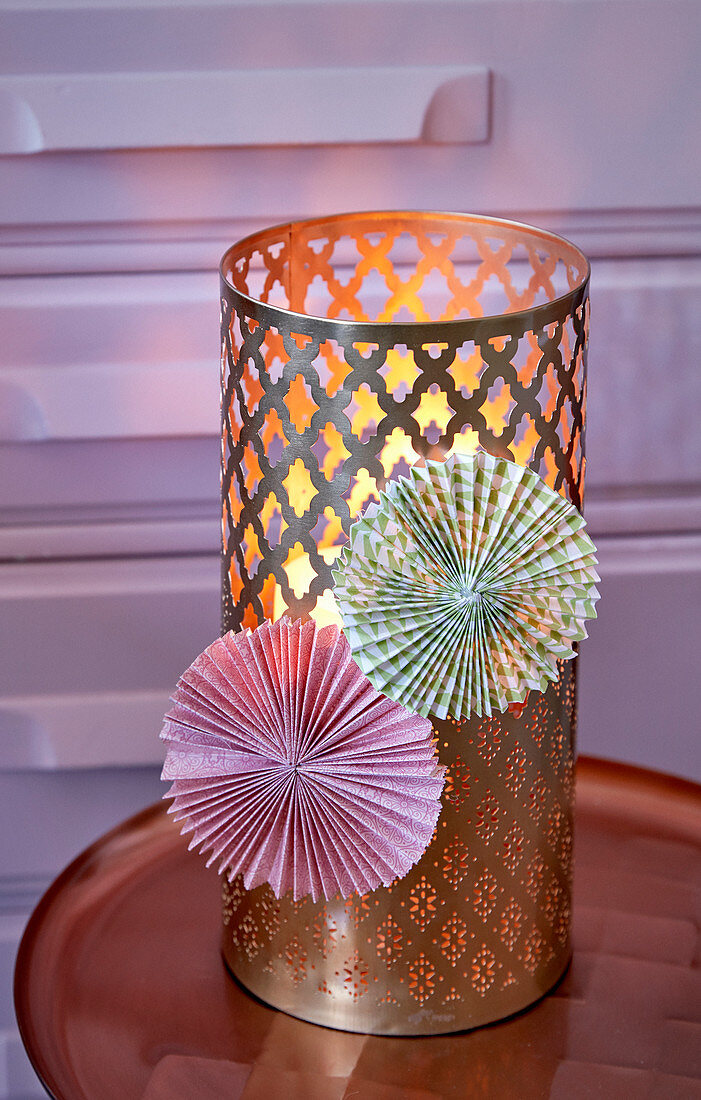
147,338
178,530
102,704
179,246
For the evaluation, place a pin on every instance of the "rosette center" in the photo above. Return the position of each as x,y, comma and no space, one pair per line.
469,594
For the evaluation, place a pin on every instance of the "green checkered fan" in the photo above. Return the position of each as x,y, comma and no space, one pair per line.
463,587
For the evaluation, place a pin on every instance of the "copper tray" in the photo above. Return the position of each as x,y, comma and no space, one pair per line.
121,992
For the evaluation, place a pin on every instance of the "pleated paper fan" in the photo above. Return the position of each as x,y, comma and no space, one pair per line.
290,768
464,586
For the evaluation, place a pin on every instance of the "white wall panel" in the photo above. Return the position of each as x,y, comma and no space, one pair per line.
103,626
644,384
639,689
582,93
123,480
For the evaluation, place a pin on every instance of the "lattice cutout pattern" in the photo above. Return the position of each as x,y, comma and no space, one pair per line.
318,413
477,929
353,348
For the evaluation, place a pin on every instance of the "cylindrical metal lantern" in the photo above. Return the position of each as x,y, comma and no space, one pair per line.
353,347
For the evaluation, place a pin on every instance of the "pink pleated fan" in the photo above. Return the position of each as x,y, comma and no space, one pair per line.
290,768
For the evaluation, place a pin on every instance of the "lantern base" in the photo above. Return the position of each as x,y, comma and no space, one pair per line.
400,1020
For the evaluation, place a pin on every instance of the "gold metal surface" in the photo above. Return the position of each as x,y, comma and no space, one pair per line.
353,347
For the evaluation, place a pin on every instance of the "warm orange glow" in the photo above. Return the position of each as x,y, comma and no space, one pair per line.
551,471
272,520
252,470
301,339
435,349
368,411
333,368
330,444
399,371
461,934
364,348
329,536
497,408
405,299
252,389
433,409
271,598
250,619
299,487
527,371
398,446
466,372
252,556
234,338
235,418
499,342
467,442
364,488
274,353
235,582
235,503
271,429
523,451
326,612
574,465
300,403
298,567
549,392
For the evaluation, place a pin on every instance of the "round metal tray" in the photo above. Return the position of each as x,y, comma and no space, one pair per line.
121,992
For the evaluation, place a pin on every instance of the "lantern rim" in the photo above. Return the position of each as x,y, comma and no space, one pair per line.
362,327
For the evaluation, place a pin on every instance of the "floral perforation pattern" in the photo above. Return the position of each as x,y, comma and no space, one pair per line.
423,903
422,975
355,977
476,922
390,941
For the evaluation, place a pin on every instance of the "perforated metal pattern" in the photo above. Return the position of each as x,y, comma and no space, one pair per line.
351,348
479,928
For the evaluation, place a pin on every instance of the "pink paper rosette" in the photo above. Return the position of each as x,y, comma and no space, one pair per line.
290,768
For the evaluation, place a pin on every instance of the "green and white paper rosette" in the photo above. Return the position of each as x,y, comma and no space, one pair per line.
462,588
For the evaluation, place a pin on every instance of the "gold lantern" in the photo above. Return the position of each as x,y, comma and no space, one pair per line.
353,347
